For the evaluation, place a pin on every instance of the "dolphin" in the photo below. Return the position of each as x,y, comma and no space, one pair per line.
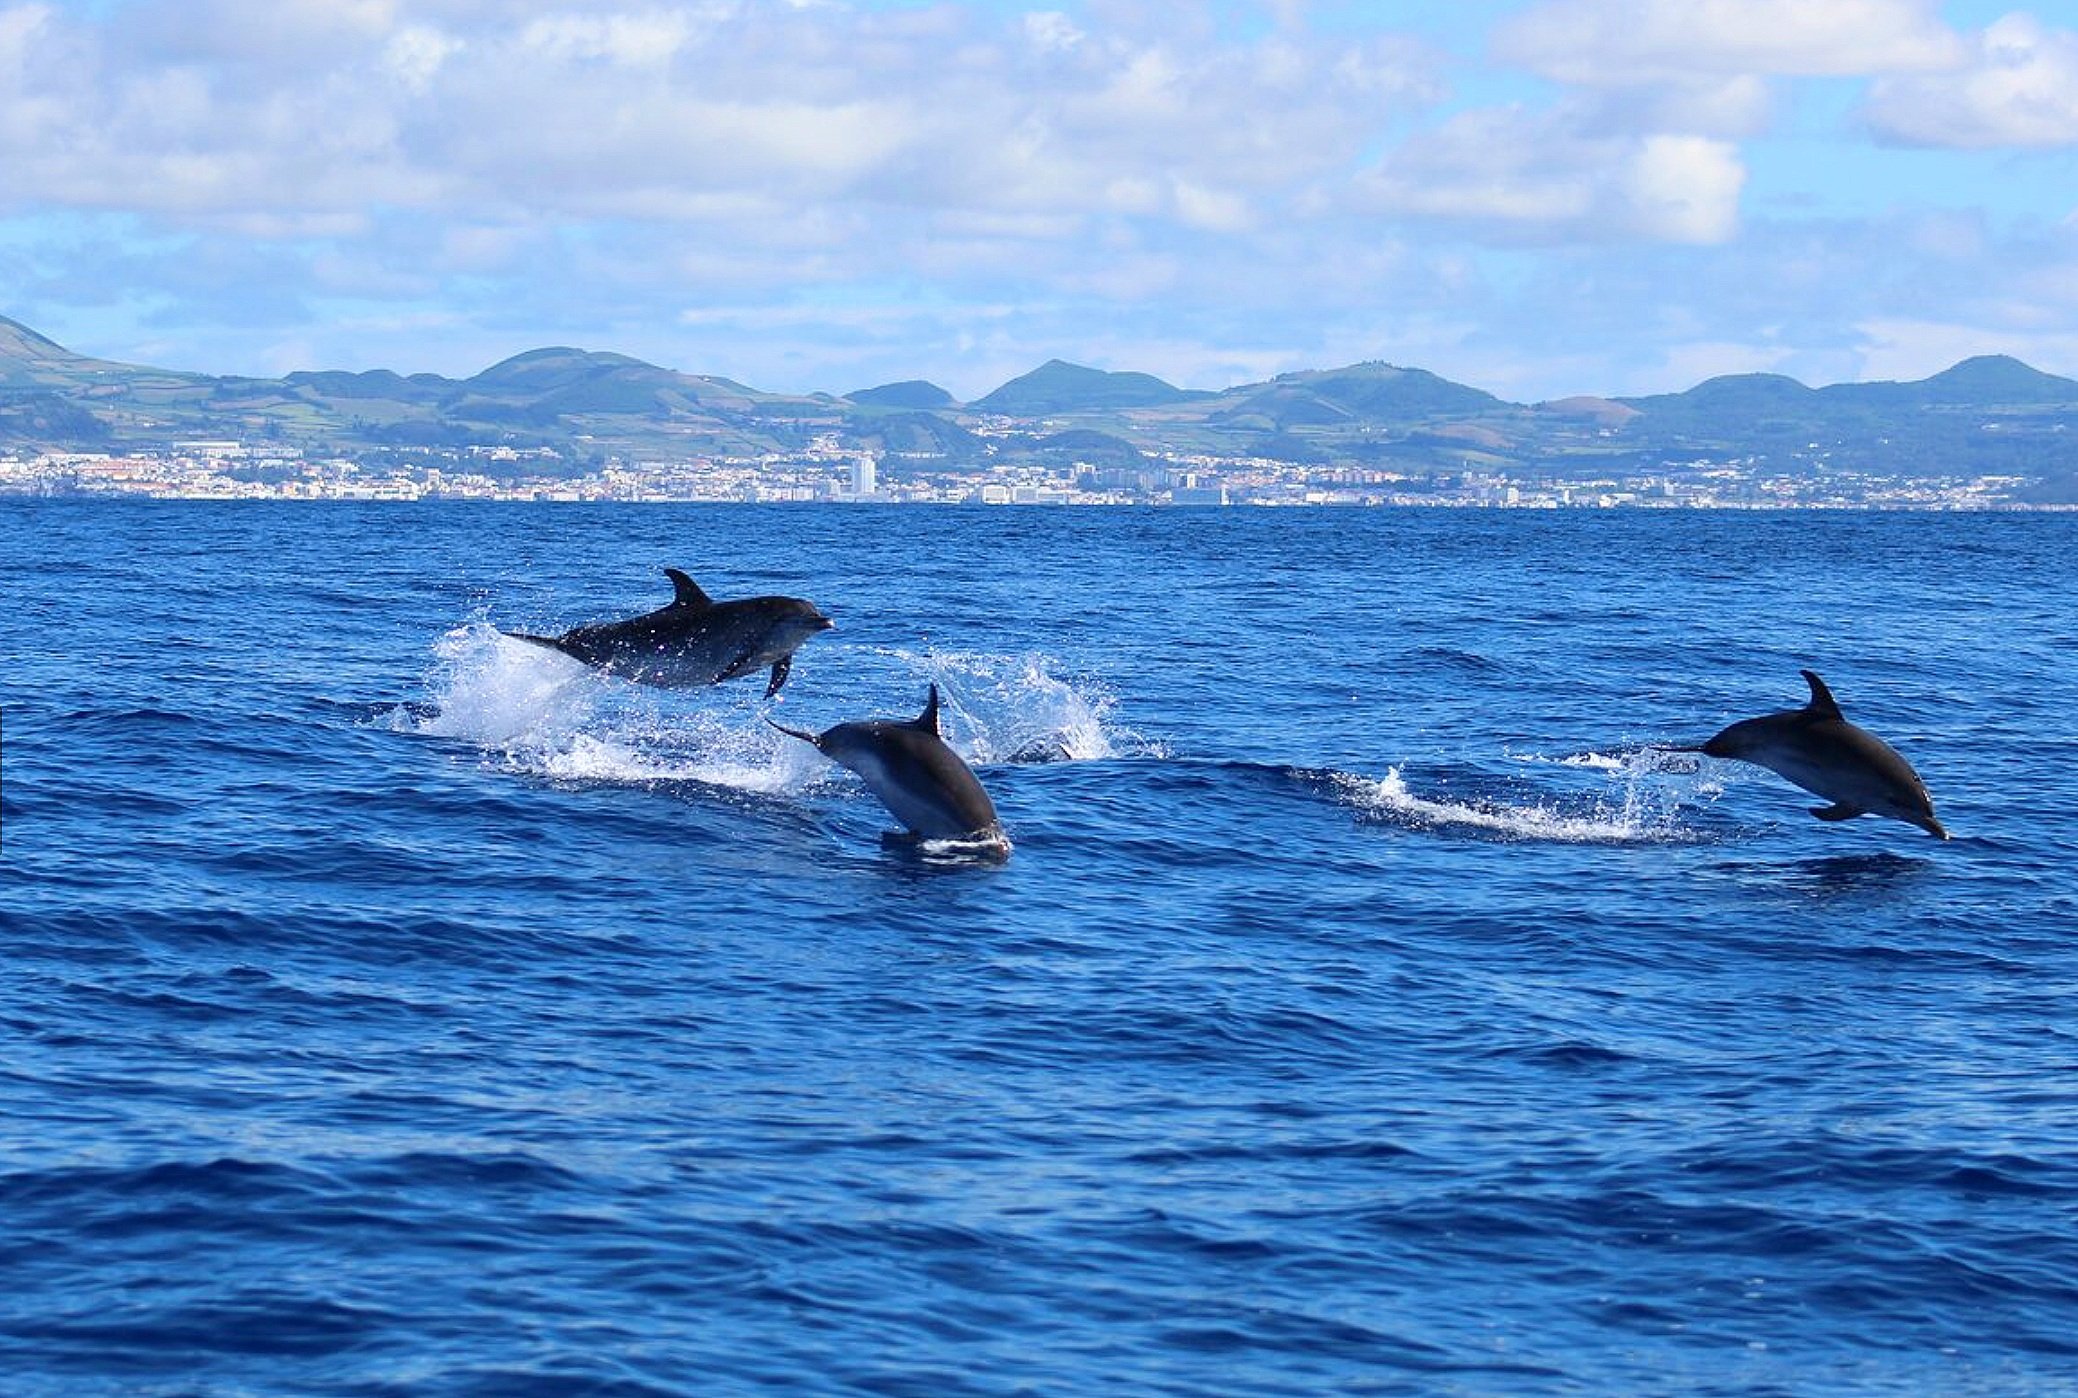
915,775
696,640
1816,748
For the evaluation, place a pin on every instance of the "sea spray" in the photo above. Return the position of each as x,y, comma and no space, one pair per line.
1642,802
536,711
1014,708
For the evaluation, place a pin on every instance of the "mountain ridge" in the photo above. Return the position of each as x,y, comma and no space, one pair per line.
1986,413
1069,387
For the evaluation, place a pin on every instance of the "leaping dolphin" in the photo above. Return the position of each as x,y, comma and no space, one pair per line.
915,775
1819,750
696,640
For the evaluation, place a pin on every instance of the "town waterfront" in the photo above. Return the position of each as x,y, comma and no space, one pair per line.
831,473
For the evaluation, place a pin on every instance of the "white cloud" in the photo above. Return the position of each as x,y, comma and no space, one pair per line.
17,24
2019,88
624,40
1625,43
1683,189
1527,176
1052,31
840,193
29,112
415,54
1212,209
663,111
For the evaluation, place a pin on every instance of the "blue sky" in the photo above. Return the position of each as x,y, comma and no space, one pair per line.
1537,197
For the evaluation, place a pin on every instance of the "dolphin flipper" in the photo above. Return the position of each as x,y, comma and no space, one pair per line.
781,668
1842,811
742,665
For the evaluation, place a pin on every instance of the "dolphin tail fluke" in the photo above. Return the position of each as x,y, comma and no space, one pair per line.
808,738
552,642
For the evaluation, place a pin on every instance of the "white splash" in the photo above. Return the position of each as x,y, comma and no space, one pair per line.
1599,761
540,712
490,689
1637,813
1636,761
992,848
1013,708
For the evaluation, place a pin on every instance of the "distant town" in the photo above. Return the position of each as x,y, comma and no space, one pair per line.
831,473
561,423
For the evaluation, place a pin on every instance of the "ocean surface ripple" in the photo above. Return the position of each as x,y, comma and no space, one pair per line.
1368,1006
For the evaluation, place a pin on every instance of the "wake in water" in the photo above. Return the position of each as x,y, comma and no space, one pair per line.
1645,807
540,712
991,848
1648,759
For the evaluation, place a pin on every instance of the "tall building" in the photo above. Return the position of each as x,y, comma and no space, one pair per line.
863,472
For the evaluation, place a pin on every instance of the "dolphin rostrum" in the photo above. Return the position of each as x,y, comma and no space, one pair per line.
1819,750
915,775
696,640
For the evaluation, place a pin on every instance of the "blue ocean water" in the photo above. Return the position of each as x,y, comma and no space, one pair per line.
394,1008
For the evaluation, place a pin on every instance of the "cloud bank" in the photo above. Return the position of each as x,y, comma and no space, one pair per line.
810,194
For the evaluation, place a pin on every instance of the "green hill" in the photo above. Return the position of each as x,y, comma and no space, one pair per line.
1986,379
919,394
1361,396
29,360
374,385
1060,387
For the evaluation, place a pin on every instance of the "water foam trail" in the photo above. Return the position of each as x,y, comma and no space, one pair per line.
1632,761
1640,812
972,849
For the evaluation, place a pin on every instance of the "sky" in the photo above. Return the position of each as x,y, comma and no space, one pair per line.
1540,198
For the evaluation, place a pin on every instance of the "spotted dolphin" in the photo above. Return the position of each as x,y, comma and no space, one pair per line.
916,776
1816,748
695,640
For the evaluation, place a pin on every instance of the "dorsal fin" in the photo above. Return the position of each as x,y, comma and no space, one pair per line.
1822,702
928,719
689,593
